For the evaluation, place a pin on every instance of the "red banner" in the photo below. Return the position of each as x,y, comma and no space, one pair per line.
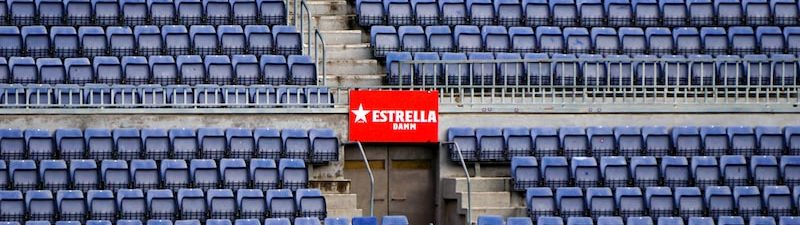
394,116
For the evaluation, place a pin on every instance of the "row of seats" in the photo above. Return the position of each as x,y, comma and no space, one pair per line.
495,143
484,68
174,174
138,12
645,220
685,202
316,145
164,70
645,171
387,220
185,204
90,41
578,12
152,96
599,40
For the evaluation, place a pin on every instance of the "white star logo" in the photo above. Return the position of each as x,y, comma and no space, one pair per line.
361,114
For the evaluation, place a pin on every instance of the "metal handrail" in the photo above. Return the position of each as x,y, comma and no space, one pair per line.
371,178
320,38
305,27
469,182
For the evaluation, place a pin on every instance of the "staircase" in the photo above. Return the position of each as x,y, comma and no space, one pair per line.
490,195
349,56
338,199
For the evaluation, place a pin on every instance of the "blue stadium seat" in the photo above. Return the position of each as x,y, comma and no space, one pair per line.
743,141
204,174
192,204
570,201
221,204
125,95
580,221
555,171
439,39
701,72
609,220
518,142
51,70
522,39
163,69
729,69
23,70
310,203
728,12
770,40
324,145
275,70
39,94
705,171
577,40
108,69
550,39
660,201
563,12
645,171
281,203
78,12
207,94
212,142
176,39
121,40
12,145
106,12
700,12
742,39
189,11
549,220
183,142
466,141
509,221
191,69
204,39
5,73
546,141
101,204
765,169
481,12
762,220
98,222
574,141
605,40
128,143
232,39
482,73
296,143
715,141
675,171
748,201
784,12
509,73
646,12
12,206
217,12
620,71
643,220
234,173
21,12
600,202
629,140
40,205
152,94
134,12
79,71
491,144
157,222
511,12
365,221
614,170
293,174
632,39
303,70
244,11
687,40
162,12
585,172
730,220
715,40
161,204
53,175
487,220
758,72
495,38
13,39
251,203
648,72
784,69
566,71
40,144
427,73
268,143
277,221
524,172
175,174
594,73
687,140
136,70
592,12
792,138
273,12
345,221
789,220
467,38
287,40
536,12
84,174
630,201
455,73
777,201
540,202
219,69
619,12
398,12
247,70
789,168
769,139
64,41
370,12
149,40
71,205
734,170
689,202
218,222
719,201
659,40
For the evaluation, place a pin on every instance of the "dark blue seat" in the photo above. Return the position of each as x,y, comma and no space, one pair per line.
251,204
439,38
84,174
687,40
748,201
719,201
162,12
743,141
192,204
64,41
742,39
546,141
136,70
51,70
522,39
115,174
563,12
427,73
281,204
619,12
660,201
555,171
574,141
537,12
324,145
488,220
398,12
108,69
79,71
303,70
311,203
570,201
23,70
204,39
217,12
770,40
134,12
161,204
106,12
264,173
40,144
293,174
765,169
272,12
453,12
632,40
700,12
467,38
12,144
645,171
715,40
287,40
71,205
769,140
275,70
176,39
232,39
12,206
592,12
128,143
728,12
121,40
585,172
729,70
184,143
233,174
784,69
784,12
702,70
705,171
539,70
191,69
247,69
296,142
481,12
101,204
398,73
13,38
145,174
689,202
455,73
714,140
175,174
466,141
495,38
550,39
659,40
566,70
518,142
163,69
511,12
734,170
482,73
221,204
646,12
189,11
54,175
777,201
630,201
593,72
549,220
509,73
78,12
268,143
524,173
21,12
757,70
40,205
149,40
605,40
675,171
600,202
577,40
614,170
370,12
540,202
491,144
204,174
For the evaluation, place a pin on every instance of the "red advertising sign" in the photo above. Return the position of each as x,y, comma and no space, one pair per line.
394,116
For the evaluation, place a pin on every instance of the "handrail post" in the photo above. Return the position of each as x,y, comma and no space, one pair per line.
469,183
371,178
324,52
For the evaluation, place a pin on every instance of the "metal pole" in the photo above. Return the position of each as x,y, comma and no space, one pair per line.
469,183
371,179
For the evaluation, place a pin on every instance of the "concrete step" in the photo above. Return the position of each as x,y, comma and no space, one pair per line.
337,22
334,186
486,199
500,211
341,201
347,213
349,51
355,80
329,8
340,37
454,185
354,67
